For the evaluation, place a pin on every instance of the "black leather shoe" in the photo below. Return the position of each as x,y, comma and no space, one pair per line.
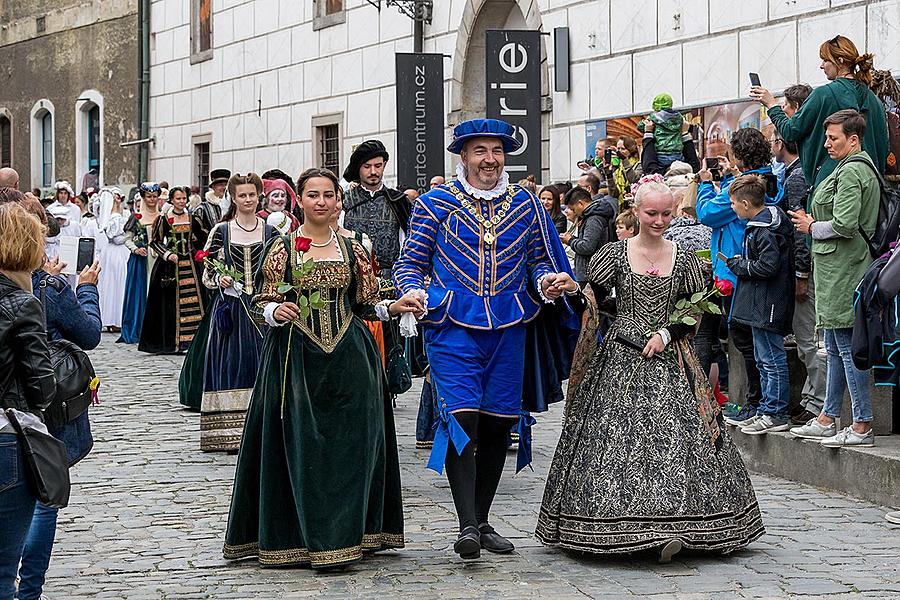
468,545
493,541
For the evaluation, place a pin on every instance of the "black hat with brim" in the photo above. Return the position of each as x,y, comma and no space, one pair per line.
361,155
219,176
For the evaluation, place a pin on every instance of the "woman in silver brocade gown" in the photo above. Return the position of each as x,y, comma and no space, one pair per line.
644,461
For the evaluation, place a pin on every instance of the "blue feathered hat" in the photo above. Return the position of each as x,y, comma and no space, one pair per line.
476,128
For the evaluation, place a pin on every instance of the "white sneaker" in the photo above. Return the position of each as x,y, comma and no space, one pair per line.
848,437
893,517
813,430
765,424
743,423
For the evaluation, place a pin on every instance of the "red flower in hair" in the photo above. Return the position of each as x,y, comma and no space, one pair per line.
200,256
302,244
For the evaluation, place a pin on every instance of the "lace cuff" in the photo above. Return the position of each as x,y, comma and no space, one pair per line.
540,288
381,310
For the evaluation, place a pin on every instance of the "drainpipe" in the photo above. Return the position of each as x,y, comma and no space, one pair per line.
144,92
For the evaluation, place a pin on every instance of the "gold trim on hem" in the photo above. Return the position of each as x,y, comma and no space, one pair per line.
325,558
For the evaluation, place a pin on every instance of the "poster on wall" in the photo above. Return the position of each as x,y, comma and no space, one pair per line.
721,121
594,131
420,119
513,93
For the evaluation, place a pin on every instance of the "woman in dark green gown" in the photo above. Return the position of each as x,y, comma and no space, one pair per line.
317,480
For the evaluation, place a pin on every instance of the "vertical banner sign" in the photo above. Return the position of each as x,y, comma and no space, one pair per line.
420,119
513,78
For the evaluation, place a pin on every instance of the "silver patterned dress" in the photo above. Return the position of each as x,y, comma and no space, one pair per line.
643,457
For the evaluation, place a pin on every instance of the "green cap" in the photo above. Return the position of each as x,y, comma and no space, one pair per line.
662,101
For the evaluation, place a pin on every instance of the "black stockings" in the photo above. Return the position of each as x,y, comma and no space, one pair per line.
475,474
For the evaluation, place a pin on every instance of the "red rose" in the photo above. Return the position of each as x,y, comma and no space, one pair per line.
200,256
302,244
138,216
725,287
171,220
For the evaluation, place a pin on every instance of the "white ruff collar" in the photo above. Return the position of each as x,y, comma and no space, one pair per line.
498,190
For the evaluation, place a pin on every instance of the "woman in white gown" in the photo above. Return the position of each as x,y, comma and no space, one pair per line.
114,259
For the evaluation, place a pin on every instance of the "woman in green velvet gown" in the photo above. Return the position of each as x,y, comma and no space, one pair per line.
317,480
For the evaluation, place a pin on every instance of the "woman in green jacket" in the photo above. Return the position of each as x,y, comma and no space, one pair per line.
850,76
845,205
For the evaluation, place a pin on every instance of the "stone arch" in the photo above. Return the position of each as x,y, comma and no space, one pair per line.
87,101
467,86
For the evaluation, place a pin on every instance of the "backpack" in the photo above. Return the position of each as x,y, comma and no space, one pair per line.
887,226
887,90
74,373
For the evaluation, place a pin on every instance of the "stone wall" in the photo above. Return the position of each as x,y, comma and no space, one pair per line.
63,66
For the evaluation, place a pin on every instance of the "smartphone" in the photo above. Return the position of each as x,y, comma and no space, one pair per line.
608,156
85,253
754,80
712,164
721,256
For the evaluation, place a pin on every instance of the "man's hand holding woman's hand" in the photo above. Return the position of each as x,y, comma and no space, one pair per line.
410,302
556,284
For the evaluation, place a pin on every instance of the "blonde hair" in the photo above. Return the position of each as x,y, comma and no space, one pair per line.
628,219
649,187
842,52
21,239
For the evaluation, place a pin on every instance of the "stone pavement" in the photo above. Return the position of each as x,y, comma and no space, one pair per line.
149,510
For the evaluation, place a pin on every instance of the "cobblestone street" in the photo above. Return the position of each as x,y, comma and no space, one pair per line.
149,510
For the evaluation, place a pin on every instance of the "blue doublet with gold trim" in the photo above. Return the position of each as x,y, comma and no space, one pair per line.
480,269
483,260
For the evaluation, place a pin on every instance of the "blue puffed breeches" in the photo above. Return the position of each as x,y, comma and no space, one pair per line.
475,370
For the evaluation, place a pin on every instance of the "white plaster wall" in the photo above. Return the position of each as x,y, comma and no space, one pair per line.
272,73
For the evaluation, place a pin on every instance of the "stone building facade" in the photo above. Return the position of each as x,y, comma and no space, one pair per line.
68,90
296,84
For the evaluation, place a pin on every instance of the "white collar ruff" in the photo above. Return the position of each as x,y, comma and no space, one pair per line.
498,190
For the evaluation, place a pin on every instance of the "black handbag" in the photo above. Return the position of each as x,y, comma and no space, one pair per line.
46,464
399,375
74,373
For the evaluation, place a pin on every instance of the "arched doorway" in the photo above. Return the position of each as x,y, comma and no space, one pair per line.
467,93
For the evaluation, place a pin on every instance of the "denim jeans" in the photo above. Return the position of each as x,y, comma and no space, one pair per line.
16,508
42,533
843,373
36,554
771,360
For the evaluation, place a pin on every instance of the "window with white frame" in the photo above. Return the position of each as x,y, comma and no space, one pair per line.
201,30
88,140
43,144
328,13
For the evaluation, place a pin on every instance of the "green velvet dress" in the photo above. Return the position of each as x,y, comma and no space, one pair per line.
317,479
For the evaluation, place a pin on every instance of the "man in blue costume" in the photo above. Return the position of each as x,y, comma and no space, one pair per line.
492,261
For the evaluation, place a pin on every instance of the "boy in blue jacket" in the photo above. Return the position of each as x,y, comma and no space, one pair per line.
764,298
752,155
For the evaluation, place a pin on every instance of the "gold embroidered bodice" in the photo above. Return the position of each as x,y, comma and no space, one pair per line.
347,285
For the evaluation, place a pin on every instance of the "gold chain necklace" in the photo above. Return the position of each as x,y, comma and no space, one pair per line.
486,223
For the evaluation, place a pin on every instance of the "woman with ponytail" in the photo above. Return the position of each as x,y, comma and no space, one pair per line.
849,75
